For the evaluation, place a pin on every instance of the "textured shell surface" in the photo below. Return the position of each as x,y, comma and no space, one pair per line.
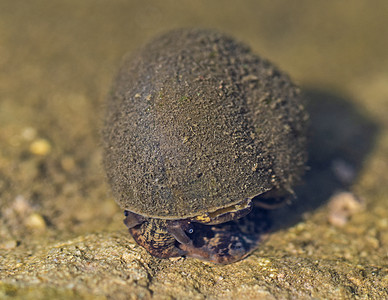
196,122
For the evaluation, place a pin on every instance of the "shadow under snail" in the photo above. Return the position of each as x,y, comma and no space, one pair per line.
200,134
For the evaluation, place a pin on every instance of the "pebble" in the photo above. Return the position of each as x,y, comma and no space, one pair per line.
40,147
21,206
35,222
29,133
7,245
68,163
342,205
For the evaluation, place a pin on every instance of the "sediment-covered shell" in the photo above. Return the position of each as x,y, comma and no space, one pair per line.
196,122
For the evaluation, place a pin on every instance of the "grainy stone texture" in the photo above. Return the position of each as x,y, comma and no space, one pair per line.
61,234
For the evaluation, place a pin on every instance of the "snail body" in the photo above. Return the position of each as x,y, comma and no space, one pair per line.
197,130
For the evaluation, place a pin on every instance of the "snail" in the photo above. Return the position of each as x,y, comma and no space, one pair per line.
199,132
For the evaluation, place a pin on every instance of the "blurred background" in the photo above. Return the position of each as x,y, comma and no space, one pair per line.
58,59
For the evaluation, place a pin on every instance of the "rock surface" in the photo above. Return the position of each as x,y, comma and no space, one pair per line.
61,233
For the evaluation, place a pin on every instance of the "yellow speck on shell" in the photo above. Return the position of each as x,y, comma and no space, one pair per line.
203,218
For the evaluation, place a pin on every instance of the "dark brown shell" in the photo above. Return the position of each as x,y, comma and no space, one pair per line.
196,122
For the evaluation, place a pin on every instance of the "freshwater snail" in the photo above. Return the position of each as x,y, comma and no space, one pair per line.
197,130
